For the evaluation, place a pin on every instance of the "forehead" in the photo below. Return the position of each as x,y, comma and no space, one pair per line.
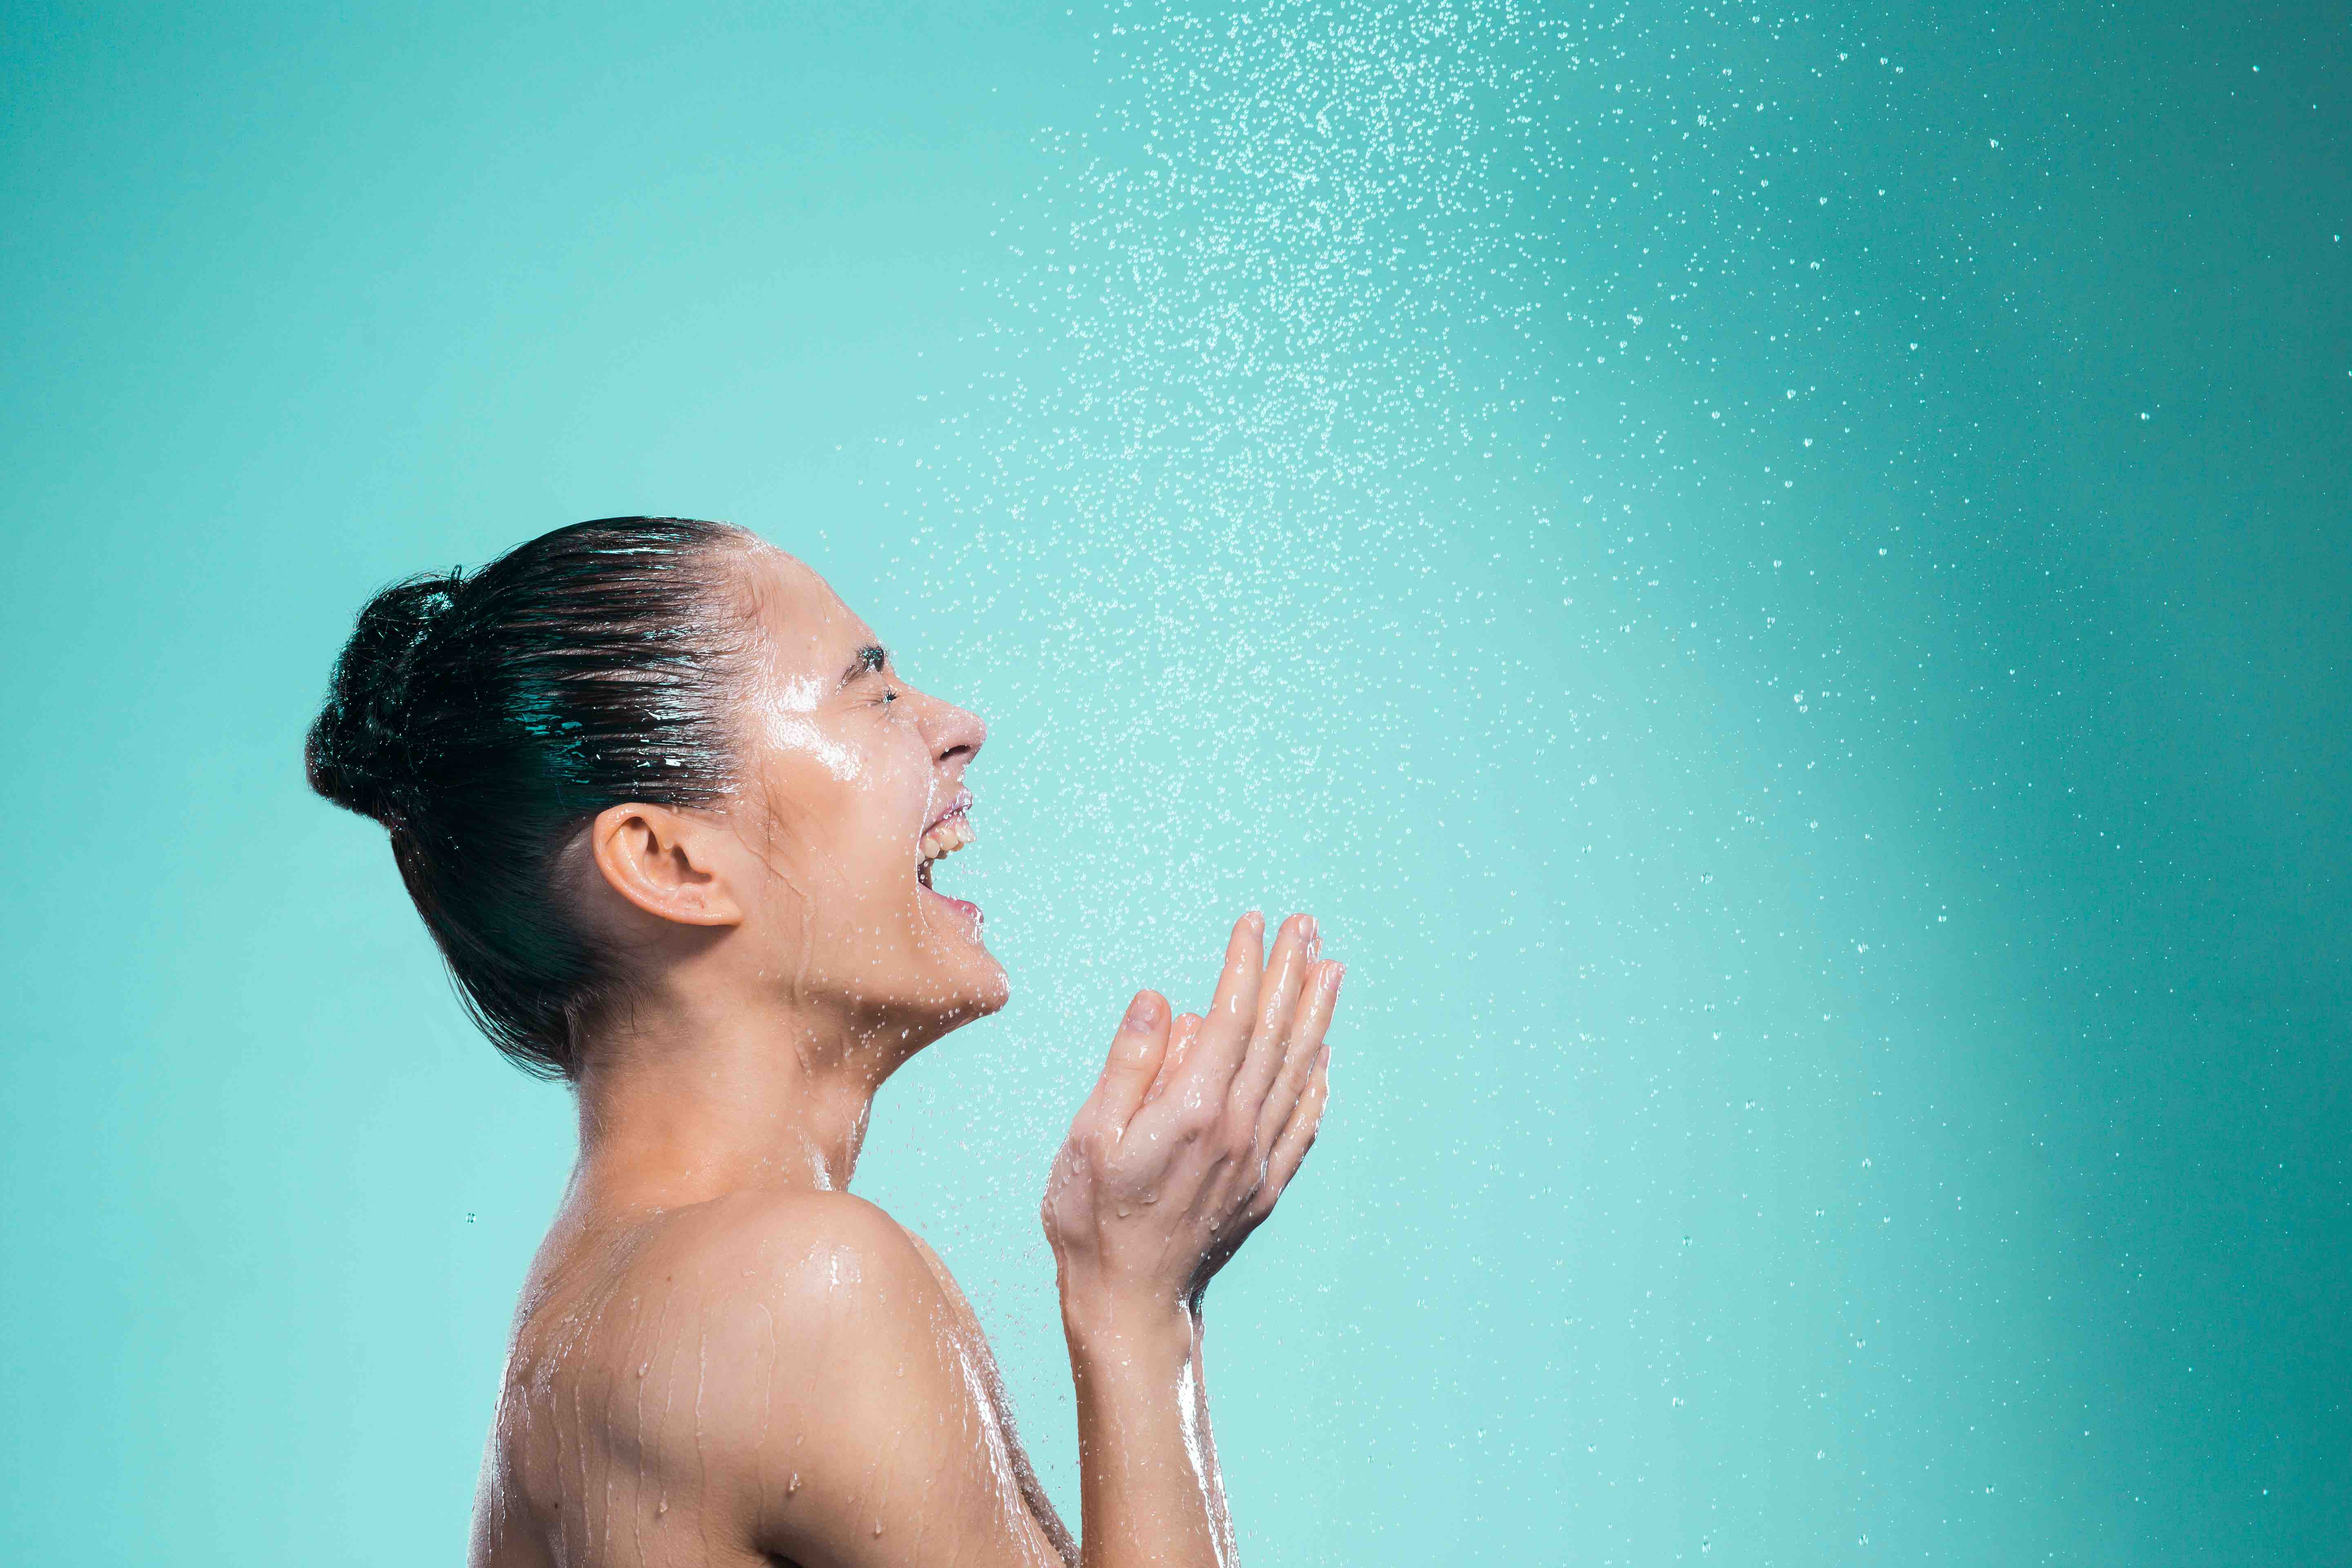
807,629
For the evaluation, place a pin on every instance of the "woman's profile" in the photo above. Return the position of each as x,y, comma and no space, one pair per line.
670,814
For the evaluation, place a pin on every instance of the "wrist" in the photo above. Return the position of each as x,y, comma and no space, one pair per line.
1149,1327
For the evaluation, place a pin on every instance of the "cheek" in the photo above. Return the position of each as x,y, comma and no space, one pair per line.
845,822
893,802
790,736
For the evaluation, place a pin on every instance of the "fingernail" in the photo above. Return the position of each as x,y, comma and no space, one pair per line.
1307,929
1142,1011
1337,973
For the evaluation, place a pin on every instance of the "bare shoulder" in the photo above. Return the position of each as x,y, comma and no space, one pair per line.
736,1368
806,1255
754,1297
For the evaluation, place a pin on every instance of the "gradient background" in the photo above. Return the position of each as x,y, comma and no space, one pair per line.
1780,582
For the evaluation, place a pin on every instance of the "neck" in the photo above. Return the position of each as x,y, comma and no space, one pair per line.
683,1100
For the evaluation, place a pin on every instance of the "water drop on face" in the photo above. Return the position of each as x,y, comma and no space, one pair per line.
794,1485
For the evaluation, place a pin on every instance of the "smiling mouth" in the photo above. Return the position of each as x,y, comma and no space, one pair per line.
944,838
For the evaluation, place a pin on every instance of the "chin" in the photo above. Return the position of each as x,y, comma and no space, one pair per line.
936,1005
955,988
962,980
999,990
982,989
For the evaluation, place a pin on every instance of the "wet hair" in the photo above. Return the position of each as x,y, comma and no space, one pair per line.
484,720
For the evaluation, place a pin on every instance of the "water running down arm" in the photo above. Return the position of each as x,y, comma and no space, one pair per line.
1188,1138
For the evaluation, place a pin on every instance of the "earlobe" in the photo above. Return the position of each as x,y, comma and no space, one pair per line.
664,863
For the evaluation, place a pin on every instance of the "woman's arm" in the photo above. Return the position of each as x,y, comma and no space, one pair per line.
795,1373
1190,1138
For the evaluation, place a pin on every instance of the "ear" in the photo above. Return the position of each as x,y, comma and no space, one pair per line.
666,863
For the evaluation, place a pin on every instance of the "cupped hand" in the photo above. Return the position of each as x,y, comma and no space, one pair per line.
1196,1126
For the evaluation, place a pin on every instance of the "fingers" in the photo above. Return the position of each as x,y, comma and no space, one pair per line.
1294,955
1225,1032
1302,1034
1297,1137
1141,1045
1181,1038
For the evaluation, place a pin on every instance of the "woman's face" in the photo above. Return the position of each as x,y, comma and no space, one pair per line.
853,786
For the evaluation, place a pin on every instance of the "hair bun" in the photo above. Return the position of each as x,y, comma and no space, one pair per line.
361,754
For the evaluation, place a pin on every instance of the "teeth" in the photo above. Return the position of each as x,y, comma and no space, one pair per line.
946,838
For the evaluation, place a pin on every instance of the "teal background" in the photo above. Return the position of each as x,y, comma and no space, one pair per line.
1799,653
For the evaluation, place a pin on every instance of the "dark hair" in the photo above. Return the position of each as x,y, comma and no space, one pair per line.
484,719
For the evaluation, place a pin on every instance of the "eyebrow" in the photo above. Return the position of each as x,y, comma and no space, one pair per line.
865,661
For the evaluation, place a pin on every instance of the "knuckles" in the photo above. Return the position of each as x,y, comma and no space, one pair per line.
1196,1123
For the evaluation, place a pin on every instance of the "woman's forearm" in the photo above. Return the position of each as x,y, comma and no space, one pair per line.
1189,1135
1150,1491
1221,1519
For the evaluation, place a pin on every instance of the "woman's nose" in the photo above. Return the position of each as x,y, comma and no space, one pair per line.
957,733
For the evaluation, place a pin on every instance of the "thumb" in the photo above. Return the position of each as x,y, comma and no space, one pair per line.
1182,1036
1135,1058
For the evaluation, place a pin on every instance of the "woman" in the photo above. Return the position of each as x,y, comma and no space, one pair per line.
671,815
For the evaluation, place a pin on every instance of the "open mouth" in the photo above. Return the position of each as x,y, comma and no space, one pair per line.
950,832
944,838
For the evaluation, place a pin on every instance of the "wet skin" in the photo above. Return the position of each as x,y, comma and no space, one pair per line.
721,1356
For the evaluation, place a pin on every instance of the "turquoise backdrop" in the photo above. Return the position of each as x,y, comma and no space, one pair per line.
1778,580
